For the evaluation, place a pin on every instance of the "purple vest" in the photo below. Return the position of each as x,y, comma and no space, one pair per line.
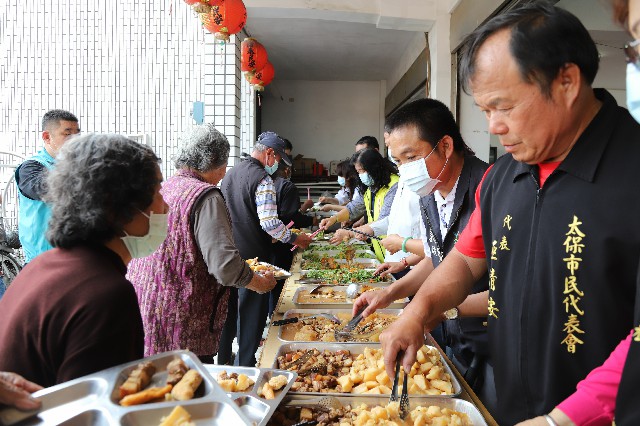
182,305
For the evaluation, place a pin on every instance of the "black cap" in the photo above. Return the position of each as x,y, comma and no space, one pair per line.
272,140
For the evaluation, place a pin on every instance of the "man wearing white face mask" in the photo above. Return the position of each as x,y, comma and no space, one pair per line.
57,126
426,142
250,195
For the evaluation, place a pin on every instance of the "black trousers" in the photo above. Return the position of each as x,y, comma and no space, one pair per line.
246,319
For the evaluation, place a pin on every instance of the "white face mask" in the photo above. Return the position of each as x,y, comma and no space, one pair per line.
416,176
341,181
633,91
144,246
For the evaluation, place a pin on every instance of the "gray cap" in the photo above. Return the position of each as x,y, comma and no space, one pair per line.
272,140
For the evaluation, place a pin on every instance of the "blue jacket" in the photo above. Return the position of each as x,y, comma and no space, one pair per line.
34,215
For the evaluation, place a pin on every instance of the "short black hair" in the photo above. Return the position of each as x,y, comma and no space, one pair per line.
544,38
433,120
287,144
55,116
369,141
378,167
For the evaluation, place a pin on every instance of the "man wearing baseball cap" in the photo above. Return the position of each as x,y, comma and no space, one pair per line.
250,194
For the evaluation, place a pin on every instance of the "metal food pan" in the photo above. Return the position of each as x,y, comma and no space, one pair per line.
336,304
307,312
358,348
93,399
370,264
256,408
387,280
456,404
278,273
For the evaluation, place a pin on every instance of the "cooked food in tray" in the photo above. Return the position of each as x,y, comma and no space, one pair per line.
327,262
181,384
343,372
274,384
234,382
343,276
262,267
323,329
329,295
178,417
364,414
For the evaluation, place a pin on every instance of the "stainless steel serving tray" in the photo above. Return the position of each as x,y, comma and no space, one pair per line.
460,405
307,312
389,279
256,408
358,348
367,264
279,273
93,399
335,304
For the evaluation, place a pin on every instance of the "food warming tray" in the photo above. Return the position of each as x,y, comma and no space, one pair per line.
339,305
256,408
358,348
452,403
93,399
307,312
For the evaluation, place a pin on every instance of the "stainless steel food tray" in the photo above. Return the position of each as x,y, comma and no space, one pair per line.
367,264
358,348
387,280
338,305
327,237
93,399
307,312
364,253
279,273
460,405
256,408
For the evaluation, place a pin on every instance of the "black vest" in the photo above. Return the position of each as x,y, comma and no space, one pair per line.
239,190
564,260
628,399
466,336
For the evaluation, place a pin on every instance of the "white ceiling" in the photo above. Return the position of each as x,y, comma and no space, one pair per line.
351,40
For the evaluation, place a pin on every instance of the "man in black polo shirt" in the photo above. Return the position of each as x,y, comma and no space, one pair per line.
556,224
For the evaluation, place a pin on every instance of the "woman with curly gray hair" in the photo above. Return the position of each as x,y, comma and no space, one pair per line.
71,311
183,288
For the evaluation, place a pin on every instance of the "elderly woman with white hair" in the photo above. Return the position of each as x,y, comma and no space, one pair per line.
183,287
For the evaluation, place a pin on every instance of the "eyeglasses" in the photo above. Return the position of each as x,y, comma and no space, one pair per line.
632,54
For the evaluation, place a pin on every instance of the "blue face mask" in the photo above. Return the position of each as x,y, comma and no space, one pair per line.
341,181
633,91
366,179
272,169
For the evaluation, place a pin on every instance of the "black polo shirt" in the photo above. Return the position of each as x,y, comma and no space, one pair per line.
562,262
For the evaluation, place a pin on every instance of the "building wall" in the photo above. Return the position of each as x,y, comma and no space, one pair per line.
324,119
125,67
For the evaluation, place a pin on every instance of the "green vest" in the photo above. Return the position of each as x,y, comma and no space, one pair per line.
372,216
33,217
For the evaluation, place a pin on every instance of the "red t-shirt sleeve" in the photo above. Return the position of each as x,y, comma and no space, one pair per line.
470,240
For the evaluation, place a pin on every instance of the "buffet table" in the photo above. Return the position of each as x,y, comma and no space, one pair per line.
272,342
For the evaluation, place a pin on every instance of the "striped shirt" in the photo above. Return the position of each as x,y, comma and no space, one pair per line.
268,212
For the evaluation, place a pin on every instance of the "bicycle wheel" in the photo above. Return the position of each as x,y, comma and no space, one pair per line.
9,267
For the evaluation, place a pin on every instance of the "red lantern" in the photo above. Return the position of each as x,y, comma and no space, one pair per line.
254,56
263,77
225,18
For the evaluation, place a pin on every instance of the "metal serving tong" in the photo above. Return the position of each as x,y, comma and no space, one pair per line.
294,320
404,399
373,237
346,334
